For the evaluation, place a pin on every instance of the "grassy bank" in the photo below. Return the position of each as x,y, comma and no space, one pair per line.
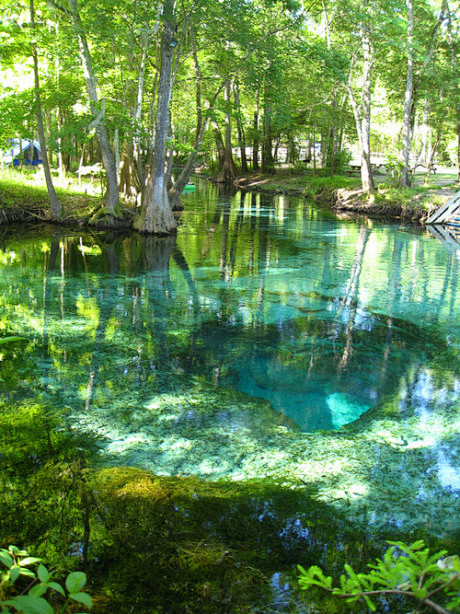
344,194
23,193
26,188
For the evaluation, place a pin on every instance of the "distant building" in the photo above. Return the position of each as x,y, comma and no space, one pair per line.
25,150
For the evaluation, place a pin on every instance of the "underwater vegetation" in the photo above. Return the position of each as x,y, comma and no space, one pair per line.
187,419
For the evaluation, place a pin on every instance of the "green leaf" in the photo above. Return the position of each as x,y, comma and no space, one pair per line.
30,560
82,598
27,572
5,558
4,340
38,590
75,581
370,604
30,605
43,574
15,570
57,587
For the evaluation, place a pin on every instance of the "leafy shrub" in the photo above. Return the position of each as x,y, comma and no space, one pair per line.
31,599
406,571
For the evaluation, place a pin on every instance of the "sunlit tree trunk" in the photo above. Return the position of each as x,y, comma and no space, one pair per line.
407,127
453,54
239,125
255,143
97,111
54,202
156,215
138,111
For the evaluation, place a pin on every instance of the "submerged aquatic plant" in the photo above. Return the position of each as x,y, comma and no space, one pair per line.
432,580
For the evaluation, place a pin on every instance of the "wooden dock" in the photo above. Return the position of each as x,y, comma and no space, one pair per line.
447,214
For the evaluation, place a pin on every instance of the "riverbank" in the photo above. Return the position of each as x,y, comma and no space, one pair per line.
345,196
24,198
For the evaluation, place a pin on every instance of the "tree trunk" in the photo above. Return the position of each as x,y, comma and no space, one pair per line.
138,110
156,215
228,171
255,144
367,179
201,125
453,54
54,203
239,126
268,162
219,143
433,152
108,159
407,128
362,114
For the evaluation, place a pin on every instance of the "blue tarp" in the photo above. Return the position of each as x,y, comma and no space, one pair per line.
30,150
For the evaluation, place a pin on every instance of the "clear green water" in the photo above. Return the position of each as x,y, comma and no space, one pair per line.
268,339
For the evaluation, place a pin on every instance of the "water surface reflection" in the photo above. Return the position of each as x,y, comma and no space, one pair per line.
241,346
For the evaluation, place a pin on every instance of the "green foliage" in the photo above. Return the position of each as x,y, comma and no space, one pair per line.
4,340
408,571
395,167
30,598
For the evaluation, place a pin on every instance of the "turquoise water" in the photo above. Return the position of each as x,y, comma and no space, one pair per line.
268,339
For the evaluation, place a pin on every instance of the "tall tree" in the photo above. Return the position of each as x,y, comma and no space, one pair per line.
97,107
54,202
413,81
156,215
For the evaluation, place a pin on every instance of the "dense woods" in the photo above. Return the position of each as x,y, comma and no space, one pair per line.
145,88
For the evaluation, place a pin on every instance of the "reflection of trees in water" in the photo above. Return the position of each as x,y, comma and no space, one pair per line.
139,298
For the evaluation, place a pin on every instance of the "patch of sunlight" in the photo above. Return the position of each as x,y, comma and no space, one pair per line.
7,257
421,443
112,329
350,491
87,308
121,445
90,250
316,468
161,399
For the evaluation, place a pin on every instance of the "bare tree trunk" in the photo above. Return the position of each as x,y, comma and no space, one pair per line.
54,202
412,85
363,114
367,179
201,125
268,162
108,159
156,215
453,54
255,144
138,110
334,102
433,152
228,171
239,126
219,143
407,128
